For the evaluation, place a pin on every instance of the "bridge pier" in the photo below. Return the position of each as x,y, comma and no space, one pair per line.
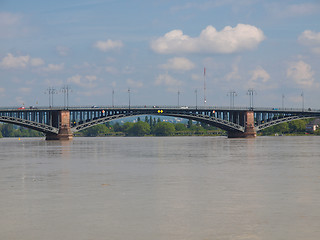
63,119
250,131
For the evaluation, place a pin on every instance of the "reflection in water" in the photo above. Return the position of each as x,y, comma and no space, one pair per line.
160,188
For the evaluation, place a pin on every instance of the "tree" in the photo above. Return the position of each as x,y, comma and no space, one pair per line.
97,130
197,129
189,123
180,127
7,130
164,129
297,126
117,127
126,126
139,129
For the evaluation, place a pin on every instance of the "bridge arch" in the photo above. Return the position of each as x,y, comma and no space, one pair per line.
47,129
281,120
217,122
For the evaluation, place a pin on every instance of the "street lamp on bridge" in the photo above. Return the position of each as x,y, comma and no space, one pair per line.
50,91
65,89
302,96
232,94
196,92
251,92
112,98
129,97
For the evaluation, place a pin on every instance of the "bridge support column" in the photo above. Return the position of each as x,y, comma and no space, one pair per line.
250,131
64,127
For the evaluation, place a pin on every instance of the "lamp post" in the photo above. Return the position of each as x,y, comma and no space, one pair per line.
196,92
282,101
65,89
178,98
302,96
250,93
112,98
129,97
232,94
51,91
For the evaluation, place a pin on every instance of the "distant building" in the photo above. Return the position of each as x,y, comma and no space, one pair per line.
313,125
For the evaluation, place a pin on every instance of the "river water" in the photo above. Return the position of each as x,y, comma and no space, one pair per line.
168,188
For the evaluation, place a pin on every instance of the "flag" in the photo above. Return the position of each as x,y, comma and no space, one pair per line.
204,71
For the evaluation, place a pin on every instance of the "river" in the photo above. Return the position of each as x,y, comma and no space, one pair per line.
160,188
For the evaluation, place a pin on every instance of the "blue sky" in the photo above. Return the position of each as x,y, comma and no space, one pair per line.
157,48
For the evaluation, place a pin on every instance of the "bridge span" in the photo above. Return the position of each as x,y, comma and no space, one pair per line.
60,123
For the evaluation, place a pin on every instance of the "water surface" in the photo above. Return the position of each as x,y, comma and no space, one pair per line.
170,188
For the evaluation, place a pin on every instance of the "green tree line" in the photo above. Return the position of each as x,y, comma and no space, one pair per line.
155,127
150,127
294,128
10,130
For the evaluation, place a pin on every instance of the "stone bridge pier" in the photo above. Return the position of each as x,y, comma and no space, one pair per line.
250,131
61,119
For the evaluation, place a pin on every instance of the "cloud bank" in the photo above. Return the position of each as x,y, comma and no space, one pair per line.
178,63
19,62
108,45
301,73
310,39
228,40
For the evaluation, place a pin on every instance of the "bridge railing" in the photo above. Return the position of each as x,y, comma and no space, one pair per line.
125,107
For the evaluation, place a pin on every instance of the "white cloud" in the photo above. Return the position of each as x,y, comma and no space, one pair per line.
281,9
35,62
25,90
83,81
2,90
168,81
10,24
234,74
310,39
302,9
9,19
54,67
11,61
111,69
228,40
62,51
178,63
260,74
301,73
134,84
19,62
260,79
108,45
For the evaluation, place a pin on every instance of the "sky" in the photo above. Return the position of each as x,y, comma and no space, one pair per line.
159,50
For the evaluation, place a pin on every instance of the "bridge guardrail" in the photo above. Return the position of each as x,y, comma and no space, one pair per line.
124,107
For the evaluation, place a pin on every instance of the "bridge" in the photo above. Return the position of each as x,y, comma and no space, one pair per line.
60,123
